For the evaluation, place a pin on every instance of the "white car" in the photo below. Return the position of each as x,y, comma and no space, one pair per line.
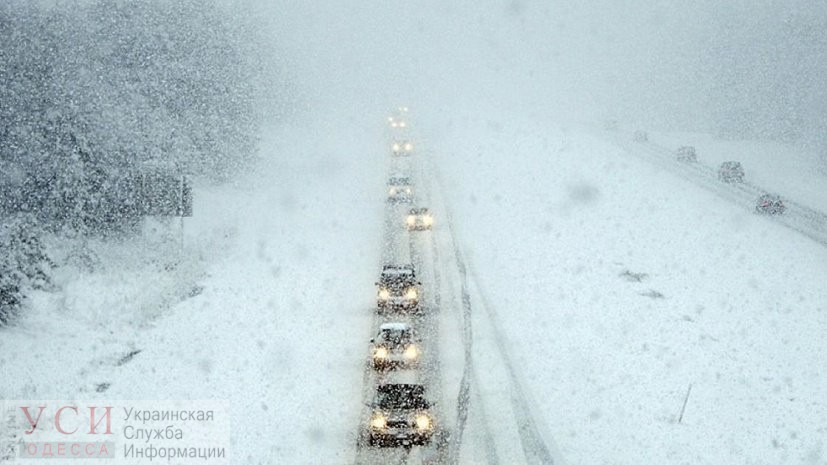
400,189
395,346
419,219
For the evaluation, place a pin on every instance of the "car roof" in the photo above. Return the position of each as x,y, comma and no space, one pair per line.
395,326
403,267
415,389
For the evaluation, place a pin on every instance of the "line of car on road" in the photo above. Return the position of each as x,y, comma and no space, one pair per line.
728,172
400,413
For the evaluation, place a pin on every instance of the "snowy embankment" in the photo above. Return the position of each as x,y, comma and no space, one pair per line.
272,313
619,286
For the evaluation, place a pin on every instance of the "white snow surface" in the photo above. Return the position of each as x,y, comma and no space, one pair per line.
280,329
618,286
622,285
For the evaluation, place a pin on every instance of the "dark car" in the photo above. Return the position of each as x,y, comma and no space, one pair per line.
687,153
770,204
398,288
401,416
731,171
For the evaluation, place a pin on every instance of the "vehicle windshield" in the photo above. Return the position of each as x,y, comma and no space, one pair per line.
399,181
395,336
402,397
397,276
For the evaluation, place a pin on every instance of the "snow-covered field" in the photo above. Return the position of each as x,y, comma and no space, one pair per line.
620,286
617,287
278,326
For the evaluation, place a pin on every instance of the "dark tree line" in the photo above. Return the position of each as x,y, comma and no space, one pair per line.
95,93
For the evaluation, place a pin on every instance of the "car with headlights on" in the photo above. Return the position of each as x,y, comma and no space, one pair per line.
400,189
397,122
398,288
419,219
731,171
402,148
687,154
395,346
770,204
401,416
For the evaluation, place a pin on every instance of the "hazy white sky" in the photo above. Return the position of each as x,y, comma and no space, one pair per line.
653,61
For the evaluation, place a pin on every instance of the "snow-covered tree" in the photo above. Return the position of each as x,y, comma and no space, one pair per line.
24,264
94,94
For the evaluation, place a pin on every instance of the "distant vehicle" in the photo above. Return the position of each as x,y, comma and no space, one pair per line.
687,153
395,346
401,416
640,136
398,288
419,219
397,122
610,125
402,148
400,189
770,204
731,171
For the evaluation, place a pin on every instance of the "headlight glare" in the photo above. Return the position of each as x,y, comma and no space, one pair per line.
411,352
423,422
410,294
378,421
380,353
384,294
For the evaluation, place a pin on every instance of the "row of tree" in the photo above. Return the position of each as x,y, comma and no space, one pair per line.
92,93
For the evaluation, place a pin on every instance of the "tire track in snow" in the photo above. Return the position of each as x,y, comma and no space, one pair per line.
534,446
463,396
